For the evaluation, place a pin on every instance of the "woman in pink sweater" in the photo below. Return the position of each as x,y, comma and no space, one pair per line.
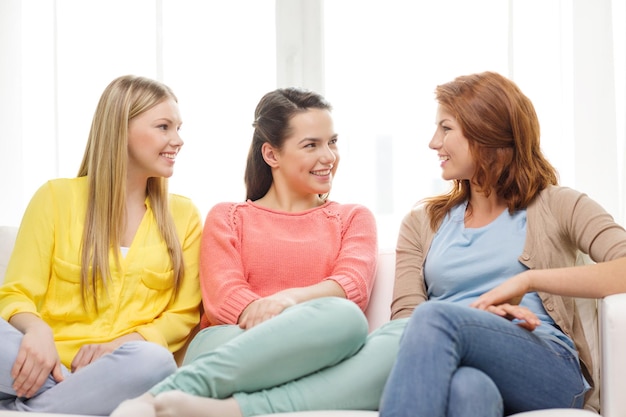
285,277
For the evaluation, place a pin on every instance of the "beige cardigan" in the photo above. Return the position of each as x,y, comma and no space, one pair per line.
560,223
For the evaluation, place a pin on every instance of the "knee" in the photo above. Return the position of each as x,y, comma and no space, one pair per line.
429,316
343,313
210,338
439,314
471,390
432,310
150,360
340,322
164,359
389,333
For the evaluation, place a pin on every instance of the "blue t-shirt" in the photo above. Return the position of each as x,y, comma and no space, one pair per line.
464,263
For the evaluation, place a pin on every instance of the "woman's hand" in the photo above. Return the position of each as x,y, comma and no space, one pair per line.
89,353
264,309
510,291
36,359
504,300
523,316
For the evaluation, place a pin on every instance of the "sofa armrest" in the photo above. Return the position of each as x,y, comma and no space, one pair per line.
613,345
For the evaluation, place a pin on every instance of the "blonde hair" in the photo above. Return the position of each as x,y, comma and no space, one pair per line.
502,130
105,164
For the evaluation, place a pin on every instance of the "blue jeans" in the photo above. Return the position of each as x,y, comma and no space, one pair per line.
96,389
459,361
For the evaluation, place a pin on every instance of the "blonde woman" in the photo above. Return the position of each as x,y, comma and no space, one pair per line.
103,282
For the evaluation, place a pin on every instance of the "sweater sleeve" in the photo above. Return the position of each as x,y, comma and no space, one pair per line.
225,290
355,268
592,229
409,288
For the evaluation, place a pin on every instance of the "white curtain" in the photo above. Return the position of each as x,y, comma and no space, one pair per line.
377,61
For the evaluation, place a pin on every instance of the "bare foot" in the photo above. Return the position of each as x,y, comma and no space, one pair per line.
142,406
178,403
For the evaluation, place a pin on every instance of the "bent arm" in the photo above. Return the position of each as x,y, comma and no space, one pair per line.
265,308
37,357
409,289
27,275
584,281
355,268
327,288
587,227
351,277
26,322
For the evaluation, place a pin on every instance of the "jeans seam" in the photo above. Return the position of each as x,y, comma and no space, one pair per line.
565,355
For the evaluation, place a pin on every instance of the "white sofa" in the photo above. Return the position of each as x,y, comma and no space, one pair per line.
605,327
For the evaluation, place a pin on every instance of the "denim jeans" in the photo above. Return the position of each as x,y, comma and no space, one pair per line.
459,361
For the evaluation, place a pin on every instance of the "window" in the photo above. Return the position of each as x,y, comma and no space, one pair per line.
377,61
383,61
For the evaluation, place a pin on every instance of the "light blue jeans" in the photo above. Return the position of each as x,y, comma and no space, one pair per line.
459,361
97,389
315,355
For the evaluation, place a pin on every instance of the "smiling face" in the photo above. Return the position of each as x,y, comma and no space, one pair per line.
154,142
452,148
308,159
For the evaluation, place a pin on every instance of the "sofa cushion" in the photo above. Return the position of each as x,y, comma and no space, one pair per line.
378,310
325,413
7,240
565,412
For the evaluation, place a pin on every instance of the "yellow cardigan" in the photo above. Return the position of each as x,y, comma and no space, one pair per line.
43,274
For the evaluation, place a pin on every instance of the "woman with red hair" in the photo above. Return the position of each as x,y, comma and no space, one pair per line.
491,267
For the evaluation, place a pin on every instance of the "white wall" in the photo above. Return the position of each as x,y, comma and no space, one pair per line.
377,61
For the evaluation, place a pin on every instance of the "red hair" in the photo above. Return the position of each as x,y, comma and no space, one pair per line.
502,130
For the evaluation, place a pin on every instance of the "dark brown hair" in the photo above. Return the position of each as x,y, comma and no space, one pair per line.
271,125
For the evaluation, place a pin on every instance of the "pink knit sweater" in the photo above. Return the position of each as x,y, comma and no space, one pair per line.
249,252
